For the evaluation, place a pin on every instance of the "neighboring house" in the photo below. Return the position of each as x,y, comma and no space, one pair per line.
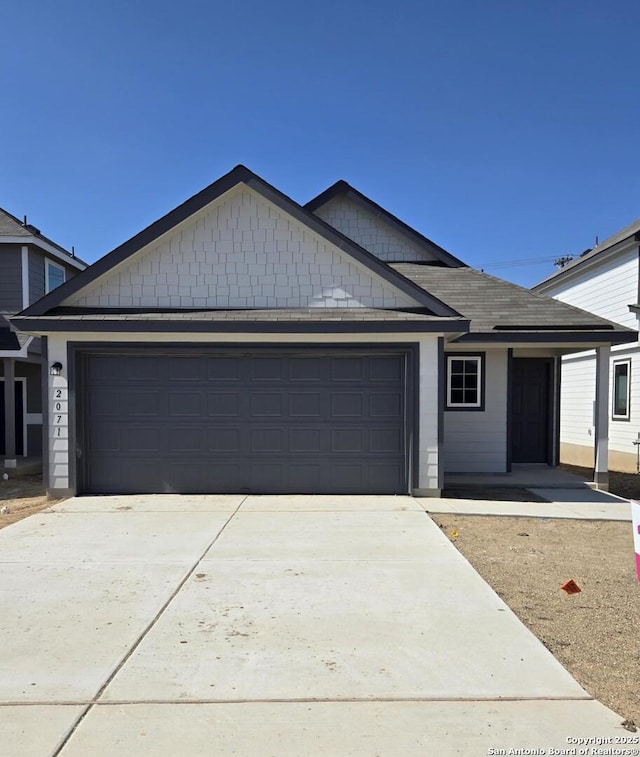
30,266
605,281
245,343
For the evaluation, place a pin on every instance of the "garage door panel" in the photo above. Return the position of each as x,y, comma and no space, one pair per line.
386,369
105,404
306,369
346,405
142,440
305,440
267,404
136,404
386,474
223,404
285,422
101,439
305,405
104,369
304,477
137,370
387,440
386,405
223,440
267,440
185,440
186,404
186,369
223,369
349,369
267,369
347,440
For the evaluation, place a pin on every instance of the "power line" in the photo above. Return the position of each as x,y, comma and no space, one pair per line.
516,263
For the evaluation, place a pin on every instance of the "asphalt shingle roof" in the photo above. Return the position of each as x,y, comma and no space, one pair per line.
493,304
11,227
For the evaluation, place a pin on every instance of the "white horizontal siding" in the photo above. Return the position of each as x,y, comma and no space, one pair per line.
577,395
241,252
606,290
371,231
475,441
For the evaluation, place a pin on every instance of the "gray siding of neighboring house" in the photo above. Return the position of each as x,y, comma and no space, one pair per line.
10,278
36,275
37,278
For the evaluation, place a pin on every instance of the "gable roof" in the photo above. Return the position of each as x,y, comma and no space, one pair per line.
630,232
239,175
13,229
500,311
342,188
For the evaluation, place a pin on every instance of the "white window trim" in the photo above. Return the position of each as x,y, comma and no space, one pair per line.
627,415
465,405
48,263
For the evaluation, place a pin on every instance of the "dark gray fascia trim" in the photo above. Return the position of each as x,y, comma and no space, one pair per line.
341,187
238,175
239,327
555,338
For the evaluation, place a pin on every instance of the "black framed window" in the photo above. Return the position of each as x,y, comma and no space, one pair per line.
621,390
465,382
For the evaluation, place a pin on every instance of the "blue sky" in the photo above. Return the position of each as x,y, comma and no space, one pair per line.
504,130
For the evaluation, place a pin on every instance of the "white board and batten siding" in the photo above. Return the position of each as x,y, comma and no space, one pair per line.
475,441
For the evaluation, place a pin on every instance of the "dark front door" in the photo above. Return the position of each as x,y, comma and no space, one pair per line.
19,410
268,422
531,410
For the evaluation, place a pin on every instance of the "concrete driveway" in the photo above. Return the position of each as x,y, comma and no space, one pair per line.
231,625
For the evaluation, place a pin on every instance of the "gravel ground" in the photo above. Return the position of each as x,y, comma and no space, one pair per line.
595,634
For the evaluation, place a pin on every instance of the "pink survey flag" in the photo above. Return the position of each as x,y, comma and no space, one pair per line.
635,519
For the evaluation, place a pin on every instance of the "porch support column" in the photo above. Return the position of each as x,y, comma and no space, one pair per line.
9,412
601,419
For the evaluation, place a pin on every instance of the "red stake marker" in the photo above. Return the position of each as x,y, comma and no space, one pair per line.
571,587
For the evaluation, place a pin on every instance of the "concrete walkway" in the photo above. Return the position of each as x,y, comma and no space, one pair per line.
581,504
229,625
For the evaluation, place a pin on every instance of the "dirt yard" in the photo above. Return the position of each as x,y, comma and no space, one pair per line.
595,634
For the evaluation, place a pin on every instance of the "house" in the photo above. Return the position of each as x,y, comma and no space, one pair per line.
30,266
246,343
605,281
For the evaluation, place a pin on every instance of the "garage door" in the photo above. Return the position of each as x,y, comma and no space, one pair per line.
266,422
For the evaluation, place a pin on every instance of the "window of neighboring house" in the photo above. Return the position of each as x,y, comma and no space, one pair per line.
54,275
465,382
621,389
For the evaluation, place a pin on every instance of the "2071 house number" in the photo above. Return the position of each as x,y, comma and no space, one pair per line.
57,412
